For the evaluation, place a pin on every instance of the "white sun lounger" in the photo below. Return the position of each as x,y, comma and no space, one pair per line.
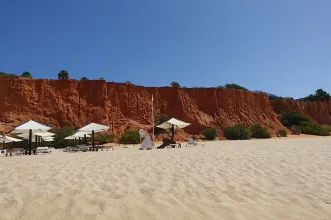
192,143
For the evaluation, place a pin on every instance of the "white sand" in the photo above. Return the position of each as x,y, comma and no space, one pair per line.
258,179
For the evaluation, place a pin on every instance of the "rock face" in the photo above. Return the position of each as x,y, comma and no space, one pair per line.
123,106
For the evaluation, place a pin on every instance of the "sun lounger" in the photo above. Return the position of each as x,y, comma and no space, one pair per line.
192,143
166,143
12,151
83,148
43,150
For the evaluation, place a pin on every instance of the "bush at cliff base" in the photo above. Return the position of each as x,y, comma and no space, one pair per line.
295,130
259,132
327,127
313,128
209,133
297,121
236,133
281,133
290,118
104,138
130,137
60,134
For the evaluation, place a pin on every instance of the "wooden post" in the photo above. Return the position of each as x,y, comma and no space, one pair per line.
30,141
93,140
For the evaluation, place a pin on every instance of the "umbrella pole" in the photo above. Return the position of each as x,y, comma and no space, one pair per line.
93,140
85,139
3,145
173,132
30,141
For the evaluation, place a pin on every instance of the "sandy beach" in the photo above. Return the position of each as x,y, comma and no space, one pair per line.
255,179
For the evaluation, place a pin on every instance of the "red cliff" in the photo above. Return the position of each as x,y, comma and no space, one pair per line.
122,106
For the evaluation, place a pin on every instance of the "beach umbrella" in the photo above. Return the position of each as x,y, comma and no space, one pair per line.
71,137
36,136
93,128
6,139
48,139
30,127
81,135
172,124
44,134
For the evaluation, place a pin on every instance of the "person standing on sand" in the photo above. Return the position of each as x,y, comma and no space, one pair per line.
142,134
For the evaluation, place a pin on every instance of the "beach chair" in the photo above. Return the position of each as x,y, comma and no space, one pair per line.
192,143
43,150
166,143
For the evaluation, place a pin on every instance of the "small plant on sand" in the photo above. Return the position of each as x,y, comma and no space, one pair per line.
130,137
281,133
259,132
236,133
209,133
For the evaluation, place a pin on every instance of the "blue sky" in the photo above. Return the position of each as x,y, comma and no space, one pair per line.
282,47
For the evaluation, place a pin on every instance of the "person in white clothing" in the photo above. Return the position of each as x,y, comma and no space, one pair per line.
142,134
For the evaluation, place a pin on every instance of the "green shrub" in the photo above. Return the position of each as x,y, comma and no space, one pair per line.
104,138
259,132
60,134
273,96
313,128
26,74
234,86
130,137
175,84
236,133
209,133
296,130
327,127
7,74
320,95
281,133
63,74
290,118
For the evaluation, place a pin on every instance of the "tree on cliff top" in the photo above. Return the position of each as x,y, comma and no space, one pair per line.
63,74
319,95
234,86
175,84
84,78
26,74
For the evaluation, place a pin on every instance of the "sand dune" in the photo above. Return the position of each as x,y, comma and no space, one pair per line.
258,179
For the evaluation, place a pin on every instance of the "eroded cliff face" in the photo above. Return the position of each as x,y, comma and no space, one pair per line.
319,111
122,106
